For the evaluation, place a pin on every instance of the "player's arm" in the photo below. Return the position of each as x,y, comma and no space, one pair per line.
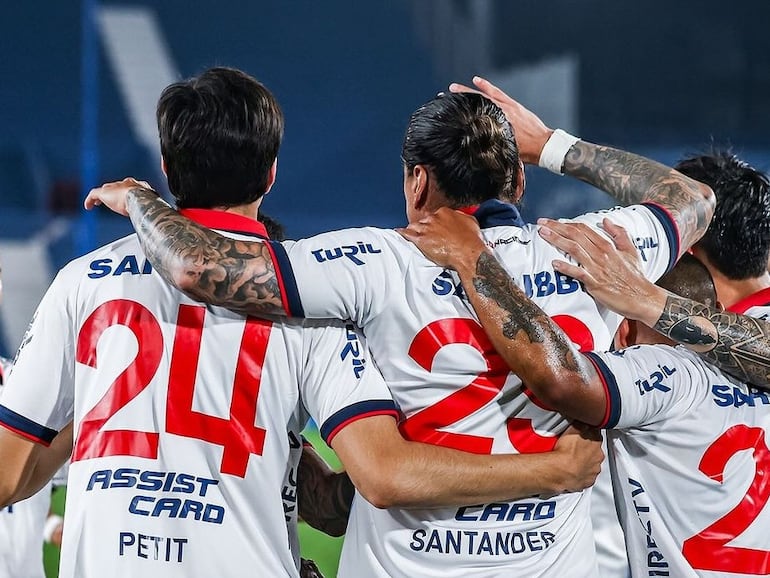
324,496
532,345
28,465
737,344
392,472
628,178
205,265
346,395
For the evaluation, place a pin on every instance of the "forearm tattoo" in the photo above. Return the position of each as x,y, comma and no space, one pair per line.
324,499
737,344
520,315
633,179
205,265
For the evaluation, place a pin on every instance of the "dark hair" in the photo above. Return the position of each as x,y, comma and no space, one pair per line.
737,241
469,146
691,279
219,135
274,229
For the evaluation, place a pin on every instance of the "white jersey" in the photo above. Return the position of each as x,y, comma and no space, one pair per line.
756,305
690,463
184,416
457,392
22,524
21,536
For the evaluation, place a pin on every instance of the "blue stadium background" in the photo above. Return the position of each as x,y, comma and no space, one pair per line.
660,78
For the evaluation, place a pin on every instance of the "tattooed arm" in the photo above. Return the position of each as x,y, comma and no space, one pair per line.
628,178
324,496
203,264
532,345
737,344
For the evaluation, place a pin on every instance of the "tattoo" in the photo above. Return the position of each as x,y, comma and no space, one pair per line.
324,497
737,344
521,315
633,179
205,265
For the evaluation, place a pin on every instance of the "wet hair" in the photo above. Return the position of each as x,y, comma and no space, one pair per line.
468,144
737,241
219,136
690,279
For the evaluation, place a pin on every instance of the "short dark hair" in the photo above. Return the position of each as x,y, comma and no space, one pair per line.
469,146
219,136
273,227
690,279
737,241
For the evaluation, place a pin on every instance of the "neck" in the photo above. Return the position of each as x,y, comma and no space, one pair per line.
731,291
251,210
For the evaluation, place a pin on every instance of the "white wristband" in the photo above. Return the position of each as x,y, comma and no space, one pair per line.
555,150
51,524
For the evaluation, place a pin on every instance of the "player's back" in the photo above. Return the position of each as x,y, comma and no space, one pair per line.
184,419
455,391
689,459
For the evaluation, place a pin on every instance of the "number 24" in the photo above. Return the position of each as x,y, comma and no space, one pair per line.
238,435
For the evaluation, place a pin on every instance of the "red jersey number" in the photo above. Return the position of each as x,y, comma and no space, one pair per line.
425,425
708,549
238,435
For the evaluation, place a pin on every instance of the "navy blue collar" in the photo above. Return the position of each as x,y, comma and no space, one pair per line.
495,213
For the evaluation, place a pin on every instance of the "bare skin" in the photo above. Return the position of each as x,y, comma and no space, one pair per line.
241,276
531,344
324,496
738,344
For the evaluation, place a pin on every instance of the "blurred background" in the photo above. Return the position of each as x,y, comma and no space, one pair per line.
80,82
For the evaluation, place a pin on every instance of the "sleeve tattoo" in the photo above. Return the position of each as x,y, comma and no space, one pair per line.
205,265
520,319
632,179
737,344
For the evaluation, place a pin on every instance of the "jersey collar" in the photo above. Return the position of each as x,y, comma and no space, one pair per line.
224,221
495,213
761,297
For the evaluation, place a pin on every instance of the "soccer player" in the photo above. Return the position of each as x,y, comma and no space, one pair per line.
689,443
736,246
26,525
184,415
454,389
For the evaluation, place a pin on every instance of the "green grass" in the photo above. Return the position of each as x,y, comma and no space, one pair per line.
315,545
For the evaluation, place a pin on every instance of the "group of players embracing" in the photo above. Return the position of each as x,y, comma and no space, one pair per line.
462,368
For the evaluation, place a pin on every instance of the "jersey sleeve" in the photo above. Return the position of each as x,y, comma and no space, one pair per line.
38,397
645,383
341,383
651,228
347,274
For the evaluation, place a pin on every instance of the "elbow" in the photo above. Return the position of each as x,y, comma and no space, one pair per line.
8,494
555,389
387,488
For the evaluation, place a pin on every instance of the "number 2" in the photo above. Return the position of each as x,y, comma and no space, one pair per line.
238,435
707,550
424,425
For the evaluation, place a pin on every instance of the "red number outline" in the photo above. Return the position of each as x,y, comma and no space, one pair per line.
237,435
92,441
707,550
424,425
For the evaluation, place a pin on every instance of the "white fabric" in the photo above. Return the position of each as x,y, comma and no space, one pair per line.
165,499
689,449
428,345
555,151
